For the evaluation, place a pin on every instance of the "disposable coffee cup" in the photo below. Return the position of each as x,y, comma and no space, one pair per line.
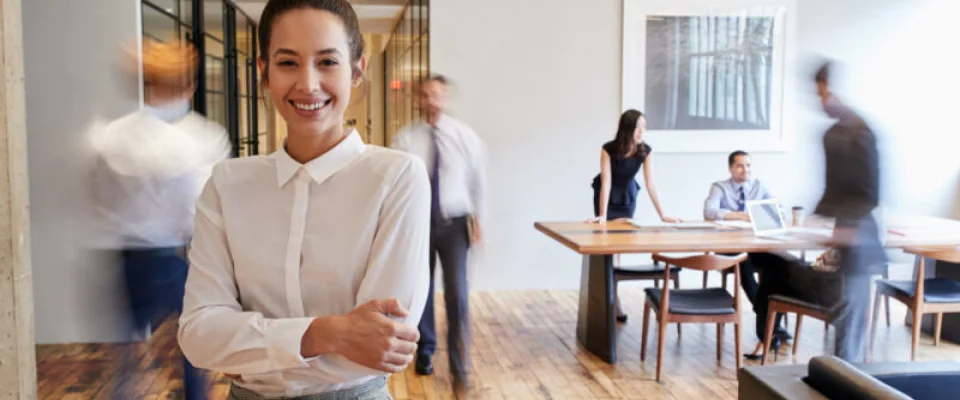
797,215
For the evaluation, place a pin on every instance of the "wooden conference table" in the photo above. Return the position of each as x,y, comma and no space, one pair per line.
599,242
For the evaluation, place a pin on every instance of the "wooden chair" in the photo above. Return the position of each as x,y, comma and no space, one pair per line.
785,304
714,305
723,278
725,274
643,273
923,295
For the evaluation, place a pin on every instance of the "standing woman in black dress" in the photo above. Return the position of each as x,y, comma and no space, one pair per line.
615,189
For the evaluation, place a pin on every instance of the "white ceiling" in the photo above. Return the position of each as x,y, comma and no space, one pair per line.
376,16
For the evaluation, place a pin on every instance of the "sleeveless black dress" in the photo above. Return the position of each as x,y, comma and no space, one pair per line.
624,187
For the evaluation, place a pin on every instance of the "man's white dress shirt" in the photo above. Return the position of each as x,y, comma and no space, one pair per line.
278,243
462,162
149,170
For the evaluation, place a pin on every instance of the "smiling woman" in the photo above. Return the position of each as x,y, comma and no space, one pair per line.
309,267
310,59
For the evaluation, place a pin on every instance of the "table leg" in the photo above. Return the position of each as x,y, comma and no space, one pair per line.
595,319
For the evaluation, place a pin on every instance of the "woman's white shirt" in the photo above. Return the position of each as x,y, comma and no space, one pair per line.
278,243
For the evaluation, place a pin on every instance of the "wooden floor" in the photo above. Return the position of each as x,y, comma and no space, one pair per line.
524,347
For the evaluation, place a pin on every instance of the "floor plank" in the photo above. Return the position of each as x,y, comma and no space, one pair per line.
524,347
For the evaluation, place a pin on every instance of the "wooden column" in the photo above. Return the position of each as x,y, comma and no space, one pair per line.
18,368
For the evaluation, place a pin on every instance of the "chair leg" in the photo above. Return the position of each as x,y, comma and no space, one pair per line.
915,338
676,285
937,324
736,344
874,322
704,279
646,325
661,341
886,307
719,342
886,300
768,333
796,334
723,281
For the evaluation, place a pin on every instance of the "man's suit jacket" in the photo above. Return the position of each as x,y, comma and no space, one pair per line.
852,190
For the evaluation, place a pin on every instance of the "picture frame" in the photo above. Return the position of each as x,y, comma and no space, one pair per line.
710,76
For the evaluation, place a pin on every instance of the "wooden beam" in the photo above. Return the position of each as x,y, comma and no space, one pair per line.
18,367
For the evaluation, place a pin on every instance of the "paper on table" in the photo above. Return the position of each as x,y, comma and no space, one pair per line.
673,225
735,224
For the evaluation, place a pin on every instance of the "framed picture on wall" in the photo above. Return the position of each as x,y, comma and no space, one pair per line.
709,75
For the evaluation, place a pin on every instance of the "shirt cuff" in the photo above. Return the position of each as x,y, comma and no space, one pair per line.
283,342
719,214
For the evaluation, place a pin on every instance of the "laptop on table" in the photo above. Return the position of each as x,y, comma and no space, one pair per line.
767,221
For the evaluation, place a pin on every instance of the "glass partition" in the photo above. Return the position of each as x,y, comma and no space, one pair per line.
227,89
407,65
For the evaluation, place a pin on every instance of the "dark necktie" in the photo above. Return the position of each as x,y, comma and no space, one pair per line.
743,200
435,177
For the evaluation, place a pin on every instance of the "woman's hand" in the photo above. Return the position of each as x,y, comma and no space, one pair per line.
598,220
670,220
367,336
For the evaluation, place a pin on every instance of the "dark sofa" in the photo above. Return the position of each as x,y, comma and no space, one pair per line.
828,377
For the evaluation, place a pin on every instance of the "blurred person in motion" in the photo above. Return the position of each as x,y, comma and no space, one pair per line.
851,193
308,266
150,168
455,157
615,188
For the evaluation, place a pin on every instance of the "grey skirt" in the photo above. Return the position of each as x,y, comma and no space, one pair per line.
374,389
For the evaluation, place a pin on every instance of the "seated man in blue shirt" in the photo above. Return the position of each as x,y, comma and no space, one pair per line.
727,201
728,198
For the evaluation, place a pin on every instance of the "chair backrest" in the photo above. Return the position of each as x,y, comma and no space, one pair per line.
703,262
948,254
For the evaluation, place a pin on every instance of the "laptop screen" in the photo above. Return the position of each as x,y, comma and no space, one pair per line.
766,216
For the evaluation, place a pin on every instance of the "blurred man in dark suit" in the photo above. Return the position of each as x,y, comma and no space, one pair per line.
851,192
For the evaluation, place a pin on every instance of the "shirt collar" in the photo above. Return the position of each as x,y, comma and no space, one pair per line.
444,124
736,186
323,167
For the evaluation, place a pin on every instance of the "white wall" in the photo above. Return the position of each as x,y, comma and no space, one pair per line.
71,53
542,86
